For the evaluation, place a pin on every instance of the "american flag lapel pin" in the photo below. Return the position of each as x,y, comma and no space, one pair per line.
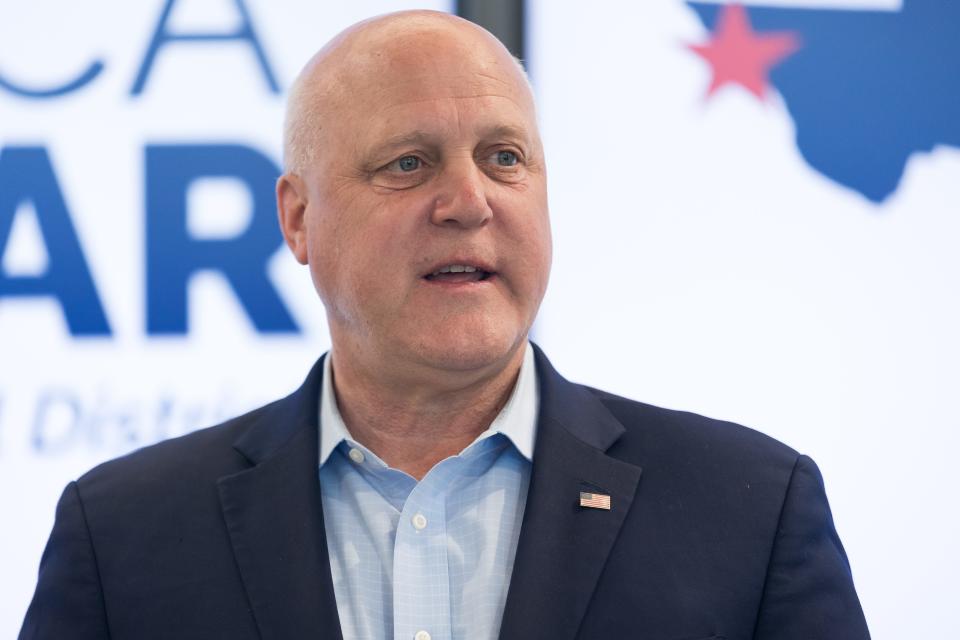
594,500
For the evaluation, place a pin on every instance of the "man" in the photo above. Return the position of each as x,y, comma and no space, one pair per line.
465,489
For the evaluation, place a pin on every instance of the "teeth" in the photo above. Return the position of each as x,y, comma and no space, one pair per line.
455,268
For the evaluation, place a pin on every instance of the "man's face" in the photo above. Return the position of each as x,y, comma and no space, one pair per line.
426,222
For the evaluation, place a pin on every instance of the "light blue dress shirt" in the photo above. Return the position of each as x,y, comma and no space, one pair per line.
428,560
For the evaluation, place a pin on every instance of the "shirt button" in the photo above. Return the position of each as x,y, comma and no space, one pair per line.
356,455
419,523
421,635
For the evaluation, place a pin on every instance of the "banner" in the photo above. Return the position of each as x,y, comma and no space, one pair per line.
144,287
756,214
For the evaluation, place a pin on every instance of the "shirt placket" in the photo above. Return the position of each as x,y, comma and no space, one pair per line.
421,578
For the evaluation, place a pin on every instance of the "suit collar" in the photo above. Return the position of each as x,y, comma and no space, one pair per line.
574,408
274,425
273,515
563,547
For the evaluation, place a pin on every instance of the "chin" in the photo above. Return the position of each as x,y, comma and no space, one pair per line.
468,350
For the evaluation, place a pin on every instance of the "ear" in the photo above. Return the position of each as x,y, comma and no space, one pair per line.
291,209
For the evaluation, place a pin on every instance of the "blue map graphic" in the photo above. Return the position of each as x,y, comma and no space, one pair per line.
866,89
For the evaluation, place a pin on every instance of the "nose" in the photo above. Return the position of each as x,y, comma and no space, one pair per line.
462,202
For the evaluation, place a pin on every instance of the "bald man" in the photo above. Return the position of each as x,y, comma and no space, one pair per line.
434,477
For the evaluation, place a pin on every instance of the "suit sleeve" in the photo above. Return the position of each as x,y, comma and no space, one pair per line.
809,592
68,601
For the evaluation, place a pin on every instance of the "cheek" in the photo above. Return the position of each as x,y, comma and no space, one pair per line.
329,254
544,238
536,249
354,260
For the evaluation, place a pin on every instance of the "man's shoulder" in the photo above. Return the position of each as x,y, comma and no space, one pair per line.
654,433
201,456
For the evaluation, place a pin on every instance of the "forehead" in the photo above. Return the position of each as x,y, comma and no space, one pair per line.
431,83
412,51
463,116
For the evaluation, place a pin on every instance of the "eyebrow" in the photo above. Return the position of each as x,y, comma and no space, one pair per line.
421,137
405,139
506,131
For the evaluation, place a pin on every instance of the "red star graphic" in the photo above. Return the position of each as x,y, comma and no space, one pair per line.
739,55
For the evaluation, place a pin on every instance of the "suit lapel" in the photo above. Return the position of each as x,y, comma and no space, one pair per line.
563,547
274,516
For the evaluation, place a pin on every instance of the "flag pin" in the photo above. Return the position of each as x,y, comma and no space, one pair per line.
595,500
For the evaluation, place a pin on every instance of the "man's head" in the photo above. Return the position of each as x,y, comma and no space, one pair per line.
412,147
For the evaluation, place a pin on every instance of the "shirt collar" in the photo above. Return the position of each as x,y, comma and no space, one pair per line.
517,420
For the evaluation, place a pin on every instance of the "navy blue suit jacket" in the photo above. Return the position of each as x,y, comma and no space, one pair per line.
714,531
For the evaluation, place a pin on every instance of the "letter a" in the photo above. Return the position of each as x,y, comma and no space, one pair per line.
27,175
162,37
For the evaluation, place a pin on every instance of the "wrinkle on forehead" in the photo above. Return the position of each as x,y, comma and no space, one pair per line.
362,65
399,104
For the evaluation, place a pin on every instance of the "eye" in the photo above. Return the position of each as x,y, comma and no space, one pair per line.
506,158
403,172
407,164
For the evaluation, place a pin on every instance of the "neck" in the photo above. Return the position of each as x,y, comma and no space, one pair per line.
412,425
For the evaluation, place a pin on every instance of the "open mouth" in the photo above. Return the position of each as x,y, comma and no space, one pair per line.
459,273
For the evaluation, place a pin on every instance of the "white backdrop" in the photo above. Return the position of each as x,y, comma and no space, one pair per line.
700,263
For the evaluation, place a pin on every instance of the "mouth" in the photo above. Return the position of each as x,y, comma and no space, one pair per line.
459,274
